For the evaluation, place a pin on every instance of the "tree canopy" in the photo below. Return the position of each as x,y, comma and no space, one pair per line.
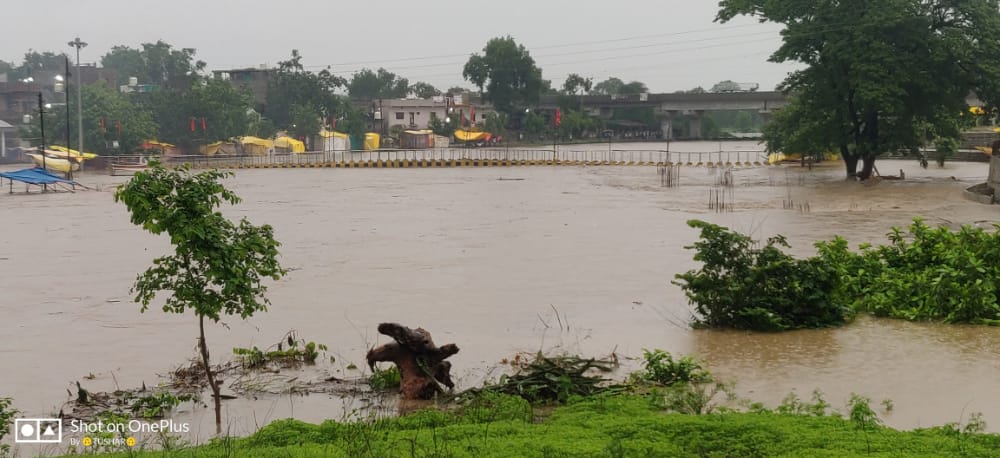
424,90
506,75
880,75
297,97
575,83
381,84
615,86
155,63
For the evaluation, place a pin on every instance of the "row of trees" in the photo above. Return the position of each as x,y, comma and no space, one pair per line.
298,100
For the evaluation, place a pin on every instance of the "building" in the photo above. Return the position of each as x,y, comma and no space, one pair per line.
418,113
19,99
253,79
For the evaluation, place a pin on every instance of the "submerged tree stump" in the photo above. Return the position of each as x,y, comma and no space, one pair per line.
422,365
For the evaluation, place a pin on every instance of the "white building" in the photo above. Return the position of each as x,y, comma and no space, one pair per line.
418,113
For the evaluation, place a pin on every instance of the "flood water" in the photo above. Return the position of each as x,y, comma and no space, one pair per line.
498,261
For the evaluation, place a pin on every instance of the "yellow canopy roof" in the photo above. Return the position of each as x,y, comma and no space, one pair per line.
290,143
331,133
257,141
73,152
470,136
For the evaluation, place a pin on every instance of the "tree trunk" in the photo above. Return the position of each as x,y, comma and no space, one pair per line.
421,364
851,161
208,373
866,169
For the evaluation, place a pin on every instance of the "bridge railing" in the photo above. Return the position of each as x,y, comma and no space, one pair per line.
561,154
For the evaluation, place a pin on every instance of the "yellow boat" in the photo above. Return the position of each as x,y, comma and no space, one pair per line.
54,164
777,158
71,152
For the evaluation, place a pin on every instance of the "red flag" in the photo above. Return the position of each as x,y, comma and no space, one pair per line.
558,117
192,124
119,128
333,124
472,114
102,126
203,125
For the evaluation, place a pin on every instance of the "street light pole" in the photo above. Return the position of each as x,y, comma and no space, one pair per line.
79,95
69,157
41,120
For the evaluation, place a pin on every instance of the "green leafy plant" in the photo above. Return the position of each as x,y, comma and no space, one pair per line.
793,405
290,351
7,415
923,274
863,417
744,286
385,379
661,368
217,267
156,405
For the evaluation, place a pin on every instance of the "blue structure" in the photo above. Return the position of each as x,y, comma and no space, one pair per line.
35,176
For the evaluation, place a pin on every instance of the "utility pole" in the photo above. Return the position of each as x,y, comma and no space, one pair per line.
69,158
41,119
79,98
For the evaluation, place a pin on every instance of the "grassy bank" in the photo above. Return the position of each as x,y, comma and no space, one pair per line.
602,426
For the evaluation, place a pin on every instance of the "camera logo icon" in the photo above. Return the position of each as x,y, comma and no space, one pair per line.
37,430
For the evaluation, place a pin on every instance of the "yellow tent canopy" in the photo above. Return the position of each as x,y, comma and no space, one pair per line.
372,141
470,136
73,153
256,146
290,144
257,141
217,148
331,133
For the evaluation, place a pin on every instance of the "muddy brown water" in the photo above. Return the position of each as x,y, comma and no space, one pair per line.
571,258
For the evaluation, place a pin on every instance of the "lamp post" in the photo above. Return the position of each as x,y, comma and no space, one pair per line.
79,98
41,120
64,82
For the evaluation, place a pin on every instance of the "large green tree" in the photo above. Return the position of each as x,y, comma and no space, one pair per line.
155,63
294,92
225,109
615,86
35,61
381,84
101,105
424,90
879,74
575,83
506,75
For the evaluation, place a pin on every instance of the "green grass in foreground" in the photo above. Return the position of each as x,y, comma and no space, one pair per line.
603,426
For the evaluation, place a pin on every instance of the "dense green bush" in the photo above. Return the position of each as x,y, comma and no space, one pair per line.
922,275
744,286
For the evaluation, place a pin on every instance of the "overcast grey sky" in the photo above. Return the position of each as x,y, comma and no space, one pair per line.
668,44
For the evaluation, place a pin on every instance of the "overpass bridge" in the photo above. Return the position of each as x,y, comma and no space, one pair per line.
692,106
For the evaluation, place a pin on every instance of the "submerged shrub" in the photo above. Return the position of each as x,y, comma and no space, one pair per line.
744,286
661,368
922,275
